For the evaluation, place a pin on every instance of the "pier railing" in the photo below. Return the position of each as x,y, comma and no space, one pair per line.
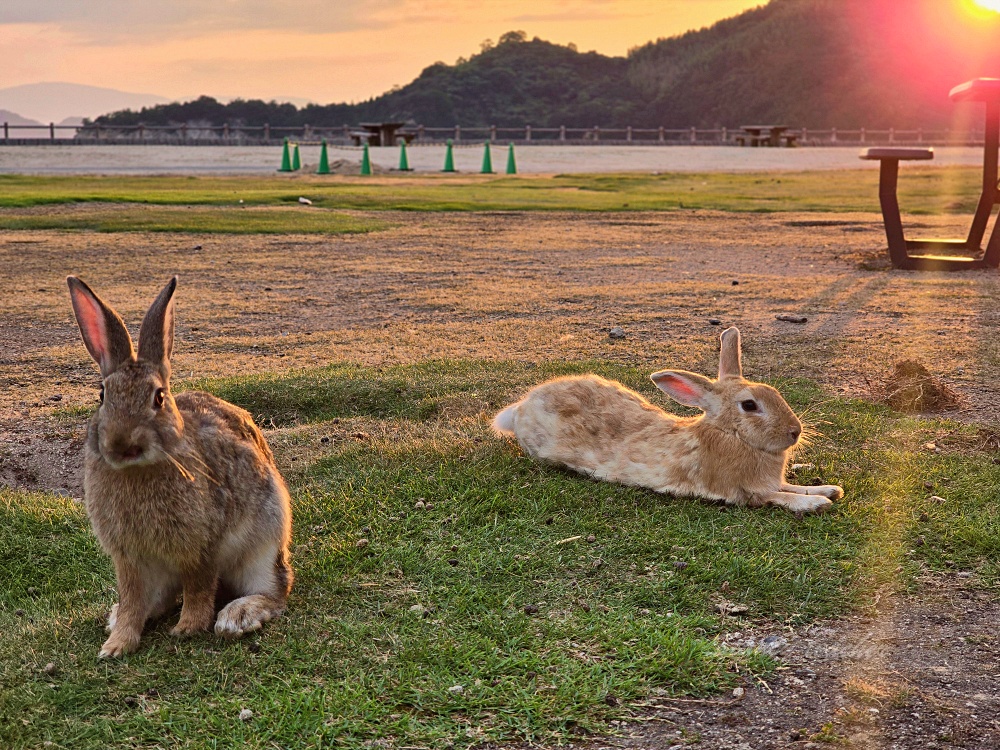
236,135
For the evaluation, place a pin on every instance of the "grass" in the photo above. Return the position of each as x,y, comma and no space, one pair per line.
922,191
376,635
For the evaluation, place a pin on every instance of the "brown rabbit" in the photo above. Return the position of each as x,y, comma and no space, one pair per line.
183,492
737,451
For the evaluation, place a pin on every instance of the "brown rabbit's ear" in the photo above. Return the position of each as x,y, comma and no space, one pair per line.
730,365
156,334
104,333
688,388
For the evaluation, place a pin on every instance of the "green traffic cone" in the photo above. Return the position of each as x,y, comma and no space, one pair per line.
286,159
324,161
296,163
511,164
404,163
366,162
487,159
449,160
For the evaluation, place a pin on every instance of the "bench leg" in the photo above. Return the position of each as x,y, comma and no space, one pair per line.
887,180
991,259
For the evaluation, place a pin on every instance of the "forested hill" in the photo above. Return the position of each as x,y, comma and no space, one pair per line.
812,63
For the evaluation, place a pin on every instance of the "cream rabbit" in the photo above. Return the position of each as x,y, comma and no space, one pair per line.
737,451
182,493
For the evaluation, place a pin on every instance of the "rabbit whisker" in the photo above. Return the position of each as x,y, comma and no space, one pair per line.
180,467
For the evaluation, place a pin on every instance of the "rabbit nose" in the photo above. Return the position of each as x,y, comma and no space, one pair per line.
794,433
127,451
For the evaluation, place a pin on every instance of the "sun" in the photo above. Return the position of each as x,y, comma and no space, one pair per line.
993,5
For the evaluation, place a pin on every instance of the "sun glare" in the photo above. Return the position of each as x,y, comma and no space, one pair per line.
993,5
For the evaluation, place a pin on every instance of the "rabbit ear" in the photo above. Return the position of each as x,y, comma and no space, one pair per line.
688,388
729,354
104,333
156,335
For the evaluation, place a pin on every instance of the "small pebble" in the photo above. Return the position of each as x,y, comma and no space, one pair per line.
198,247
324,439
680,564
456,690
597,563
735,282
617,333
714,322
246,714
417,609
267,289
591,538
924,517
611,700
530,609
419,505
738,692
57,397
792,318
131,700
453,562
50,668
361,543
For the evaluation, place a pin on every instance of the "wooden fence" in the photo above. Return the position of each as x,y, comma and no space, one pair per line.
235,135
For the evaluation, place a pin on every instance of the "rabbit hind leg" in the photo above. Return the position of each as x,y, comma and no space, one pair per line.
262,586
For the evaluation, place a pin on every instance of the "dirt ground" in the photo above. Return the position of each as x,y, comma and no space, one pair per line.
922,672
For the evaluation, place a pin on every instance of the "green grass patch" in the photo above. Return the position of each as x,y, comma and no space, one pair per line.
922,190
376,635
201,219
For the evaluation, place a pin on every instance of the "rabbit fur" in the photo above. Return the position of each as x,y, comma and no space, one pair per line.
182,492
737,451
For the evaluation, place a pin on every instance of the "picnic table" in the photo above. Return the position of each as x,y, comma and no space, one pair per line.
766,135
380,134
986,90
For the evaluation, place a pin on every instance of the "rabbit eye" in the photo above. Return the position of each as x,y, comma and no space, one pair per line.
748,405
158,398
100,394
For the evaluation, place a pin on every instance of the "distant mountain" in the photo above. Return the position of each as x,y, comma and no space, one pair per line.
820,63
57,102
812,63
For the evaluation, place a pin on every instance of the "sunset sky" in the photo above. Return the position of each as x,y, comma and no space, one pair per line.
319,50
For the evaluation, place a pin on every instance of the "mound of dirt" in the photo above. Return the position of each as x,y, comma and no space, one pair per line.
912,388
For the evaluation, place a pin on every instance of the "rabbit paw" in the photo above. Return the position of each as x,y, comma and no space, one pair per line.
189,626
831,491
809,504
244,615
119,644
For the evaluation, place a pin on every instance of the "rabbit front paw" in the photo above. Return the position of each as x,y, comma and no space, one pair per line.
119,644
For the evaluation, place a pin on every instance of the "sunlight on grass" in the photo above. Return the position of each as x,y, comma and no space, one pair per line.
476,571
925,190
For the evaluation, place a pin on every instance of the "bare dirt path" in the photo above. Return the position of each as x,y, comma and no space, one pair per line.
538,287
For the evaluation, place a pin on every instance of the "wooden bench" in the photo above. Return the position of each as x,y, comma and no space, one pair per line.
899,246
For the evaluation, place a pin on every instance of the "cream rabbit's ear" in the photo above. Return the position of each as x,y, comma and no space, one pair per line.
730,365
687,388
104,333
156,335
